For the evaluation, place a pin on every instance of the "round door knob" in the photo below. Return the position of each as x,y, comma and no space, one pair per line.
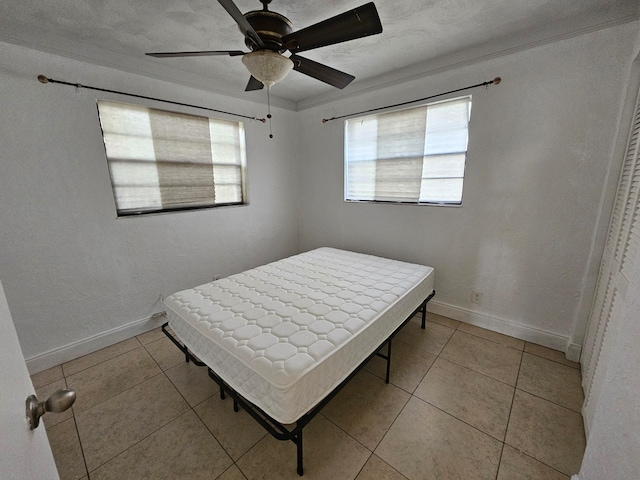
58,402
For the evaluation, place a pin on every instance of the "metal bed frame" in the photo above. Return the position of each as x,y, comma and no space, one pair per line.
275,428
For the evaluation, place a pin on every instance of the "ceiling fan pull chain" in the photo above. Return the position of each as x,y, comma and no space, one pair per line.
269,110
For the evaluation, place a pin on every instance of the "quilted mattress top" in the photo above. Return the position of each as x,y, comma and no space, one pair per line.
285,318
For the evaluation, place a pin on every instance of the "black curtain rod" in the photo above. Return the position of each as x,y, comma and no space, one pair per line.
43,79
495,81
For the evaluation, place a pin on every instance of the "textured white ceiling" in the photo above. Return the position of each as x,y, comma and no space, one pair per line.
117,33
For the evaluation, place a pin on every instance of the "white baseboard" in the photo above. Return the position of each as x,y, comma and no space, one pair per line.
77,349
506,327
89,345
573,352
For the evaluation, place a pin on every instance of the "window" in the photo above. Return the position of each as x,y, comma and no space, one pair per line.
409,156
161,161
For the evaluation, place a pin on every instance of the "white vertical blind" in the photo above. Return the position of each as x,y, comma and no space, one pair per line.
160,160
415,155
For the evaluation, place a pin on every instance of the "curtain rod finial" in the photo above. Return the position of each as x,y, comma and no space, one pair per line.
43,79
497,80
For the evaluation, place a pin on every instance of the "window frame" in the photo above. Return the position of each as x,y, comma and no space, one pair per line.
162,209
404,202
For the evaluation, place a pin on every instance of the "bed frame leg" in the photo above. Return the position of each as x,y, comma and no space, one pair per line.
222,396
235,406
424,315
298,441
386,379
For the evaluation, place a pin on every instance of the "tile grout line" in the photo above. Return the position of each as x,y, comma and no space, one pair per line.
75,424
411,394
133,445
459,419
394,419
450,414
514,390
106,400
386,431
244,477
541,398
492,341
538,460
84,459
220,443
364,465
163,373
141,345
233,462
192,408
552,360
550,401
523,349
477,372
398,386
105,360
513,397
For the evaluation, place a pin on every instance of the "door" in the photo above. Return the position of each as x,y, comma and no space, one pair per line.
24,454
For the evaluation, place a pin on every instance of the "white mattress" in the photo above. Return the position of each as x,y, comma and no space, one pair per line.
284,335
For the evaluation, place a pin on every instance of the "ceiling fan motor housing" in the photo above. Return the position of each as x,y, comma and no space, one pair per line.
270,27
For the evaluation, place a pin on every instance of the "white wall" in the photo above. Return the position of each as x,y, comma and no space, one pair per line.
77,277
539,152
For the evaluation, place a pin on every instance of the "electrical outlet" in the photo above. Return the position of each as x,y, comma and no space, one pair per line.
476,297
217,277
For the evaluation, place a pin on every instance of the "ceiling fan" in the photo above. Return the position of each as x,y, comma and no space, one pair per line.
269,34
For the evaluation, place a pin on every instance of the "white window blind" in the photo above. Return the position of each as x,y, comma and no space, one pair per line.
161,160
410,156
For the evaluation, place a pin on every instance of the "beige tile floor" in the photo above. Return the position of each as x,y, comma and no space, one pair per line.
463,403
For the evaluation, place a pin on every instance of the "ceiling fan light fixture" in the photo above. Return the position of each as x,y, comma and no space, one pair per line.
267,66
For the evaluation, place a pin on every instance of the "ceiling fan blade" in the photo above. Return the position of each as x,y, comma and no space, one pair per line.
254,84
357,23
321,72
245,27
206,53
